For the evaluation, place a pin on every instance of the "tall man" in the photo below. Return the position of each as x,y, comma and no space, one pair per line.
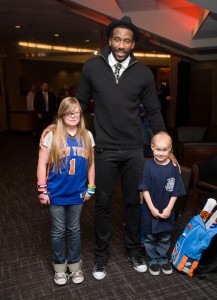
118,83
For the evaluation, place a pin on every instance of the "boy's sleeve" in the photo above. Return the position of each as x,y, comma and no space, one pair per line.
179,189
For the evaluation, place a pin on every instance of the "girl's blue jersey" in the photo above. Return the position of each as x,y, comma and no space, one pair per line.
68,185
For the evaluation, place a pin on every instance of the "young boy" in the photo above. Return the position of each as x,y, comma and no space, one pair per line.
161,184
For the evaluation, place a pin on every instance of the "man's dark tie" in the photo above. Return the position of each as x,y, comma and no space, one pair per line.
117,71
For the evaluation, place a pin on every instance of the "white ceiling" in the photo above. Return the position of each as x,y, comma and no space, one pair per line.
187,28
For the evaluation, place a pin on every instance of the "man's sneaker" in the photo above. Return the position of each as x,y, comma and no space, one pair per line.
154,269
167,269
99,270
138,262
77,277
60,278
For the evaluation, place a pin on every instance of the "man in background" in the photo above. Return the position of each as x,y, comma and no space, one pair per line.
45,106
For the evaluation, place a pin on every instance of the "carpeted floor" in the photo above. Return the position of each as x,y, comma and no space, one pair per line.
26,270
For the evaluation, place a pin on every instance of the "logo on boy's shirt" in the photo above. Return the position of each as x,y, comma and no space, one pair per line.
170,184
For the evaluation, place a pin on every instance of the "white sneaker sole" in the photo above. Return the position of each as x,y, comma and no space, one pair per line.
167,272
154,273
99,275
77,280
141,269
60,283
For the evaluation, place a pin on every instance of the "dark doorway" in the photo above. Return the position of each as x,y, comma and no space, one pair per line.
201,97
183,91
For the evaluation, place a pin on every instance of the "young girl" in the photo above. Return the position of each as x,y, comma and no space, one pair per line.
68,151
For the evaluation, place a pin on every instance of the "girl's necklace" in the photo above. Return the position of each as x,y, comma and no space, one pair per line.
72,136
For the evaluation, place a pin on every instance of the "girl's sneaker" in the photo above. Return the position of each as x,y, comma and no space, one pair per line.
77,277
75,272
60,278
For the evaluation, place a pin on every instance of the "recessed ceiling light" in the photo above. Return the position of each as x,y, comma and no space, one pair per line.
56,34
87,41
54,47
17,26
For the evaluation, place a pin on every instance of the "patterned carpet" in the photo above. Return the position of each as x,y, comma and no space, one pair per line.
26,270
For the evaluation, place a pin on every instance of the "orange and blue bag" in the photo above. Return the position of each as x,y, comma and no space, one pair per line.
195,238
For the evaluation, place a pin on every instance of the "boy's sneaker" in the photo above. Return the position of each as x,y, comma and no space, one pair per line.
60,278
99,270
167,269
138,262
154,269
77,277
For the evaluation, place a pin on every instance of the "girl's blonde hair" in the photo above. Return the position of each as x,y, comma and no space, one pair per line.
59,144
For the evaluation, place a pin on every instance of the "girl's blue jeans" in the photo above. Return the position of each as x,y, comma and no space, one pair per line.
65,233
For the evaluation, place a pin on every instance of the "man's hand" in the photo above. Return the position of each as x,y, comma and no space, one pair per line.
45,131
174,160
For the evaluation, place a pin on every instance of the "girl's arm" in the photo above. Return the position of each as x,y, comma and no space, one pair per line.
43,159
91,179
155,212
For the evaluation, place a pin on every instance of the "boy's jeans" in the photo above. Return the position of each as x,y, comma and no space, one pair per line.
157,246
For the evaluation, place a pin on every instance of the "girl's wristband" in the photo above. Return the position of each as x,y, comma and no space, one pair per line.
91,190
91,186
41,186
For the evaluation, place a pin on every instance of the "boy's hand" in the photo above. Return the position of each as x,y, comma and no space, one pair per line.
155,212
166,213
